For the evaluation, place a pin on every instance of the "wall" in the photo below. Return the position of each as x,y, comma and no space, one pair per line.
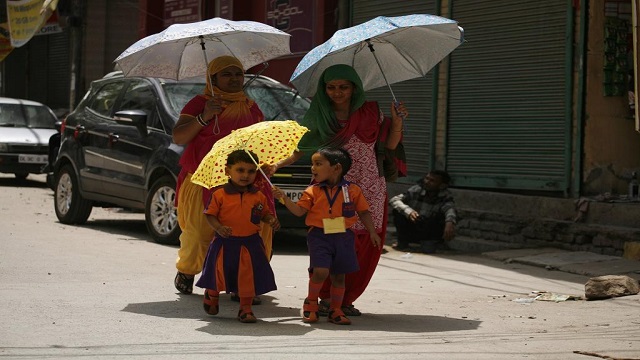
611,145
109,28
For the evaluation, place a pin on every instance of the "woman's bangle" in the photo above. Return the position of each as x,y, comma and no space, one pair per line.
394,130
201,121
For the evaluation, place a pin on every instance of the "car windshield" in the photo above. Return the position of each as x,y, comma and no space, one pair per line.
32,116
278,103
179,94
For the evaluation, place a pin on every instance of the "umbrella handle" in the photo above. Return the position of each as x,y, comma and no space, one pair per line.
396,103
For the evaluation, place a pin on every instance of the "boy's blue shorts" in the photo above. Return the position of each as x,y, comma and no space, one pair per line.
336,252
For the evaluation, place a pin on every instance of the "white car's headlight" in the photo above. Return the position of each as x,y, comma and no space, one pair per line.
4,147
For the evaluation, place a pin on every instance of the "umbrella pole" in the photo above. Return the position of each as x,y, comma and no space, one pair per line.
263,174
204,55
395,101
370,45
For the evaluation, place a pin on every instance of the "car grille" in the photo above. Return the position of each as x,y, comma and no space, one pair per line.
29,149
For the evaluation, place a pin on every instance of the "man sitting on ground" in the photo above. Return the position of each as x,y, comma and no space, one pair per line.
425,213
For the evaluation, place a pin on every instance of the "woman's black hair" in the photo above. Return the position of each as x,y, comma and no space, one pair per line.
337,156
237,156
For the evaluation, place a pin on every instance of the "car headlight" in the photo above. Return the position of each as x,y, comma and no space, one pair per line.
4,147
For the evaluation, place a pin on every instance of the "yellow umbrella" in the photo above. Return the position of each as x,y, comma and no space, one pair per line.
271,141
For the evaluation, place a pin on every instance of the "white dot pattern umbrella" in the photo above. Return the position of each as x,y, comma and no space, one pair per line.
406,47
177,52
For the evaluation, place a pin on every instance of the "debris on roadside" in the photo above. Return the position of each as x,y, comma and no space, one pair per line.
549,296
546,296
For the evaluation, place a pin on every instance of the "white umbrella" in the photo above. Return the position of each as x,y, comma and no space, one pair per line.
401,47
183,50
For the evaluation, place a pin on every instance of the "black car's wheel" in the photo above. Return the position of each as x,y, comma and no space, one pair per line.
71,207
160,212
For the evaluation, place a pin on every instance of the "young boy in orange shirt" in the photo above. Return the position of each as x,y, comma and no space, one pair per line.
330,205
236,260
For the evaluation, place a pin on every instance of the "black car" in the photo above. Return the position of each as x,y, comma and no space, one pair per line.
116,148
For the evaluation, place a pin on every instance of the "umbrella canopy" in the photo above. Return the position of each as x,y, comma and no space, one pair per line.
271,141
404,47
184,50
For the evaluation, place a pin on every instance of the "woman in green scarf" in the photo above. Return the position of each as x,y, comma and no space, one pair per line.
339,116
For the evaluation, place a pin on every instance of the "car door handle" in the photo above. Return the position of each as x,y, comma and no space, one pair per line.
113,138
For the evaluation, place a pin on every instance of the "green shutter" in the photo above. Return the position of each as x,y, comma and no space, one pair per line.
507,96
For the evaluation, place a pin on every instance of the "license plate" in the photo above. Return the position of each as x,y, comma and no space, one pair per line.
33,159
294,195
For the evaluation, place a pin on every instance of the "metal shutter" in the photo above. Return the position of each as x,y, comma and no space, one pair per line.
417,93
507,126
59,73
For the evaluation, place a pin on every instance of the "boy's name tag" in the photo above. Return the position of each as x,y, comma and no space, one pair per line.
334,226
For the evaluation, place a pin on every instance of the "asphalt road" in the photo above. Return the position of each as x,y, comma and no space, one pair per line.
105,291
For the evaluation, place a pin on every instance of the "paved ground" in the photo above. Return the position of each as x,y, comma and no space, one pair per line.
104,291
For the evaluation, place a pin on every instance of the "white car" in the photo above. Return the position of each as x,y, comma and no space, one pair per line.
25,129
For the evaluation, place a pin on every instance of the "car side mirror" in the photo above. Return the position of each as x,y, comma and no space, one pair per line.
137,118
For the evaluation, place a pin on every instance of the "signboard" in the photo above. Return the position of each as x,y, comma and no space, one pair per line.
25,19
5,45
52,26
181,12
295,17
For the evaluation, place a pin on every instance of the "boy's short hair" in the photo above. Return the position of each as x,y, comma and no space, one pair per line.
444,176
337,156
237,156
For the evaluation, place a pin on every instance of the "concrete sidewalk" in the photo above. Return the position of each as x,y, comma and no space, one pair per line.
575,262
553,259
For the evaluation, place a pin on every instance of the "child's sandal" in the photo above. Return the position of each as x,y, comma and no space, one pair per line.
210,302
337,317
309,311
246,317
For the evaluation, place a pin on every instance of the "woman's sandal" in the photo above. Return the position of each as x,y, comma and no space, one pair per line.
323,308
309,311
246,317
337,317
210,303
351,311
183,283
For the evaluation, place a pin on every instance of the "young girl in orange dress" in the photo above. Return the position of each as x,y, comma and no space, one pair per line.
236,261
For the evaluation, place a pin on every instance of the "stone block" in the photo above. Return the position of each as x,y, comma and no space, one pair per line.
608,286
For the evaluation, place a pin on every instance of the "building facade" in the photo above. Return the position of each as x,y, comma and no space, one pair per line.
534,102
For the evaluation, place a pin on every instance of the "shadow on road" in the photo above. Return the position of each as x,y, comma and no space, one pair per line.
26,183
274,320
126,229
